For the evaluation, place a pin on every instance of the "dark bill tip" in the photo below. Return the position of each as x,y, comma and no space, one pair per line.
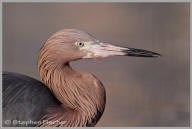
140,53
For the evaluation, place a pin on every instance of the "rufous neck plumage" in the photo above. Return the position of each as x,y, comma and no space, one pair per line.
82,95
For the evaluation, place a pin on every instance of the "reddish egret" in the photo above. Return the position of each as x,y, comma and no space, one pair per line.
65,97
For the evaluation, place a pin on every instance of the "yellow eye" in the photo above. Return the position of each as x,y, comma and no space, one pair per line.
80,44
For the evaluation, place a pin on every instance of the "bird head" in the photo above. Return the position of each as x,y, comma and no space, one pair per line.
75,44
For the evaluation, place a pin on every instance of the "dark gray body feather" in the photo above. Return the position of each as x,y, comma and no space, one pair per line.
24,99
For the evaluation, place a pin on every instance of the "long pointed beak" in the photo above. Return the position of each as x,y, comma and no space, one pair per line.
103,50
140,53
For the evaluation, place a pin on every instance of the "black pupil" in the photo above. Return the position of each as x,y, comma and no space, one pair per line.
80,44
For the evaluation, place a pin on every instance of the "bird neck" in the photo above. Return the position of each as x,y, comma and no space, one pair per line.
80,94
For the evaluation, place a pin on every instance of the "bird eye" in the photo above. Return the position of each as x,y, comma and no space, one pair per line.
80,44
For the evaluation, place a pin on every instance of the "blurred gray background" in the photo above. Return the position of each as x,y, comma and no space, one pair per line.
140,91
